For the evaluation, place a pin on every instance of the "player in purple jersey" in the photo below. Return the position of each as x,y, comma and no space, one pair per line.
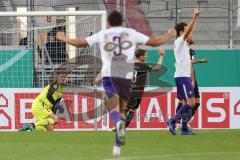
182,75
194,80
117,47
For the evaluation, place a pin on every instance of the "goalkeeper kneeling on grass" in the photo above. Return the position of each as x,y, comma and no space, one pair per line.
46,105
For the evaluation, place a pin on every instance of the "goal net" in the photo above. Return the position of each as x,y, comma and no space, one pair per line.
30,54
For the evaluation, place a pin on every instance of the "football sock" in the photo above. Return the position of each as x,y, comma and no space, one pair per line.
178,120
115,117
194,109
129,118
179,106
117,143
184,114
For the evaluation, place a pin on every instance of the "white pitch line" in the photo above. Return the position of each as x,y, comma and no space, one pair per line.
171,155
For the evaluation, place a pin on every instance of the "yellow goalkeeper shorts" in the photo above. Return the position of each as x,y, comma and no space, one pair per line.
40,111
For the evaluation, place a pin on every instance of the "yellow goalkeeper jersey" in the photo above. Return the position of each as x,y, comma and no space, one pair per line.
51,95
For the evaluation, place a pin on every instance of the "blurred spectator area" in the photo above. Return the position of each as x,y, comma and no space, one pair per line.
215,30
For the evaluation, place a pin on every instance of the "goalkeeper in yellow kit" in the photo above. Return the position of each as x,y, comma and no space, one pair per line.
46,104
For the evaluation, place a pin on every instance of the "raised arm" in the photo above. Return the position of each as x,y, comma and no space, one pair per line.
158,65
162,39
191,25
74,42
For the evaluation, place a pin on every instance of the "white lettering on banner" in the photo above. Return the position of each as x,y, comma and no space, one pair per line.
153,104
24,110
3,120
216,110
85,111
3,101
219,109
4,117
238,108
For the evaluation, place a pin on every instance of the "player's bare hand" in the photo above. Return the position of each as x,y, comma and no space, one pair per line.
60,36
197,12
60,108
173,32
204,60
161,52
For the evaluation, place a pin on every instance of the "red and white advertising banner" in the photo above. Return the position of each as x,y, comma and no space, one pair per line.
219,108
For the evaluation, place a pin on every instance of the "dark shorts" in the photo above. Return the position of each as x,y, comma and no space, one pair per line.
184,87
114,85
135,98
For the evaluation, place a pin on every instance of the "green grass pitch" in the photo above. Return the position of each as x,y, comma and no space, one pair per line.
141,145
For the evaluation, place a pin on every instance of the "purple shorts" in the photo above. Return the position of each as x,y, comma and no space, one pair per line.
184,87
120,86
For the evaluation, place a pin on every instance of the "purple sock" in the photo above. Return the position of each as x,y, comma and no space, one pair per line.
183,113
117,143
115,117
179,107
185,118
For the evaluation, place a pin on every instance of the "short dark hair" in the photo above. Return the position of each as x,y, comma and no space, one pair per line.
115,18
61,71
140,52
180,27
51,33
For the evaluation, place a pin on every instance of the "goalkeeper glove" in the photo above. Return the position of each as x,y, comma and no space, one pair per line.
60,108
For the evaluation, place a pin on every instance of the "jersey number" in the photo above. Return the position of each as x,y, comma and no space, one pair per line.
134,78
118,50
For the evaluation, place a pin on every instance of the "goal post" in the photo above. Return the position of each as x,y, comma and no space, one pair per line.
238,16
29,57
103,14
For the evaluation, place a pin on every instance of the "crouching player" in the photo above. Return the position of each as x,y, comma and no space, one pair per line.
138,82
46,105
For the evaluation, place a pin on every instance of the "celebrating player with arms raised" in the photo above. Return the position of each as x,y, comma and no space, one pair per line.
183,75
194,80
117,46
46,104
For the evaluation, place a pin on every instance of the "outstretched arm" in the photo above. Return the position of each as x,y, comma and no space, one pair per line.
162,39
203,60
191,25
158,65
74,42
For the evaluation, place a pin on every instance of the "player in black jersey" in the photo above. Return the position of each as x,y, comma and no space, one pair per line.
194,80
138,82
